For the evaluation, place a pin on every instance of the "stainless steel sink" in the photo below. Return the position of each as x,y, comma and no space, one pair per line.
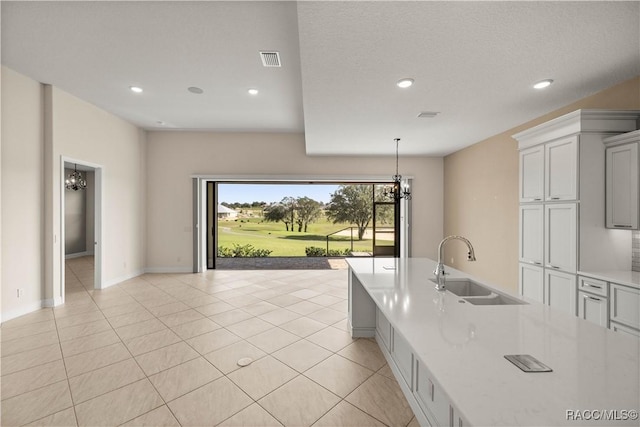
494,299
476,294
465,288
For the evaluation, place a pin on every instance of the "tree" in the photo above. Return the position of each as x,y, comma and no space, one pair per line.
289,204
352,204
308,210
284,211
276,213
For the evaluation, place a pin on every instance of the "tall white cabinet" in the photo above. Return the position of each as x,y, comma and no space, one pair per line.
562,204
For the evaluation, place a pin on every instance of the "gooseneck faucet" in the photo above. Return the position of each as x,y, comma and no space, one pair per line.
439,271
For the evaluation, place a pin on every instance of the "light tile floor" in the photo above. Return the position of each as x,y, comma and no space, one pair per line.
162,350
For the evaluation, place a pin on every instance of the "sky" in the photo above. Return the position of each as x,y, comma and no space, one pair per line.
247,193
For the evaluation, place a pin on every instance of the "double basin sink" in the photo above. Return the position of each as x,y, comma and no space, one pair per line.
477,294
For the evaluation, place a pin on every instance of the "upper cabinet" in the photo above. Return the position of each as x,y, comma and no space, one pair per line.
532,174
549,172
622,187
561,167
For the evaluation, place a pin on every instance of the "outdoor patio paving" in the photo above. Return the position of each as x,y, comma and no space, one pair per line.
281,263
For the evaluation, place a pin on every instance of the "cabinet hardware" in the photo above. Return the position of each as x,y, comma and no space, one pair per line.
622,226
555,198
537,199
592,286
553,266
590,297
536,263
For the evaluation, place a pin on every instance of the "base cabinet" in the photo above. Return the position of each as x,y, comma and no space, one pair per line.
593,308
402,354
610,305
432,398
427,398
625,329
560,288
532,282
625,305
383,329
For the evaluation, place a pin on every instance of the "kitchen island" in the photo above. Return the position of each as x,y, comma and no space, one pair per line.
448,355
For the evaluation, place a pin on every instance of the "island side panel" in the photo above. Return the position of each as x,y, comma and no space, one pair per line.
362,310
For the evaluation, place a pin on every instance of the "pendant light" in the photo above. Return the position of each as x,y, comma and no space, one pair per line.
396,190
75,181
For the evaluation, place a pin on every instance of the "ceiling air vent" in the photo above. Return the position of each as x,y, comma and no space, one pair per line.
270,59
428,114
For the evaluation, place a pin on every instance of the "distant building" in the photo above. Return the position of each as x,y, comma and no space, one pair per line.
226,213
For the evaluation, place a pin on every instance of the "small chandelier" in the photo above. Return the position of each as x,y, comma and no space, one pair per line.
75,181
397,190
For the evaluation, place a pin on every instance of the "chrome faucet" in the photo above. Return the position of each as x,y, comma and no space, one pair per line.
439,271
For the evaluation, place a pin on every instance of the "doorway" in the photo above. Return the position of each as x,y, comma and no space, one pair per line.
81,228
385,234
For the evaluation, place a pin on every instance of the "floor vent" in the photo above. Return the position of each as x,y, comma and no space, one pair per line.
428,114
270,59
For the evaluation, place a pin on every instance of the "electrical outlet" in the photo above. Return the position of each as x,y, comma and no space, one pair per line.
451,260
20,292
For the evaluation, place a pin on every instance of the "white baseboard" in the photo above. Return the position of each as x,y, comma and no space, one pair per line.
130,275
25,309
78,254
168,270
52,302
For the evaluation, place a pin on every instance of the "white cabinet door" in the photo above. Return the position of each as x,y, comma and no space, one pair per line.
622,186
403,356
561,240
431,398
625,305
561,290
532,174
593,308
625,329
383,329
532,282
561,169
532,234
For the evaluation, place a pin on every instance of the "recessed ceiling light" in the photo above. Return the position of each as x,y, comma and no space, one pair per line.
542,84
135,89
195,90
404,83
253,91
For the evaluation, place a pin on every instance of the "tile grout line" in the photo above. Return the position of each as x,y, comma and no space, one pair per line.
66,373
199,286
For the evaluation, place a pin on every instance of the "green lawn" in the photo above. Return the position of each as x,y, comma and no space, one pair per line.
273,236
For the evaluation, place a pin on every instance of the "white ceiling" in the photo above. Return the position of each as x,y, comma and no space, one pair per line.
474,62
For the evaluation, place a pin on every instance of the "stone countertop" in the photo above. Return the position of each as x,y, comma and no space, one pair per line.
464,346
623,277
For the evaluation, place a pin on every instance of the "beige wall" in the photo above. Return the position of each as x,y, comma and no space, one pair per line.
83,132
174,156
40,125
22,189
481,188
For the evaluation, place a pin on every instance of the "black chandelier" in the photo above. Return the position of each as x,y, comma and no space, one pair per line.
396,190
75,181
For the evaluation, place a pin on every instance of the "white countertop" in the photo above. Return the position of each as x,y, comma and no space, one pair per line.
464,346
623,277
